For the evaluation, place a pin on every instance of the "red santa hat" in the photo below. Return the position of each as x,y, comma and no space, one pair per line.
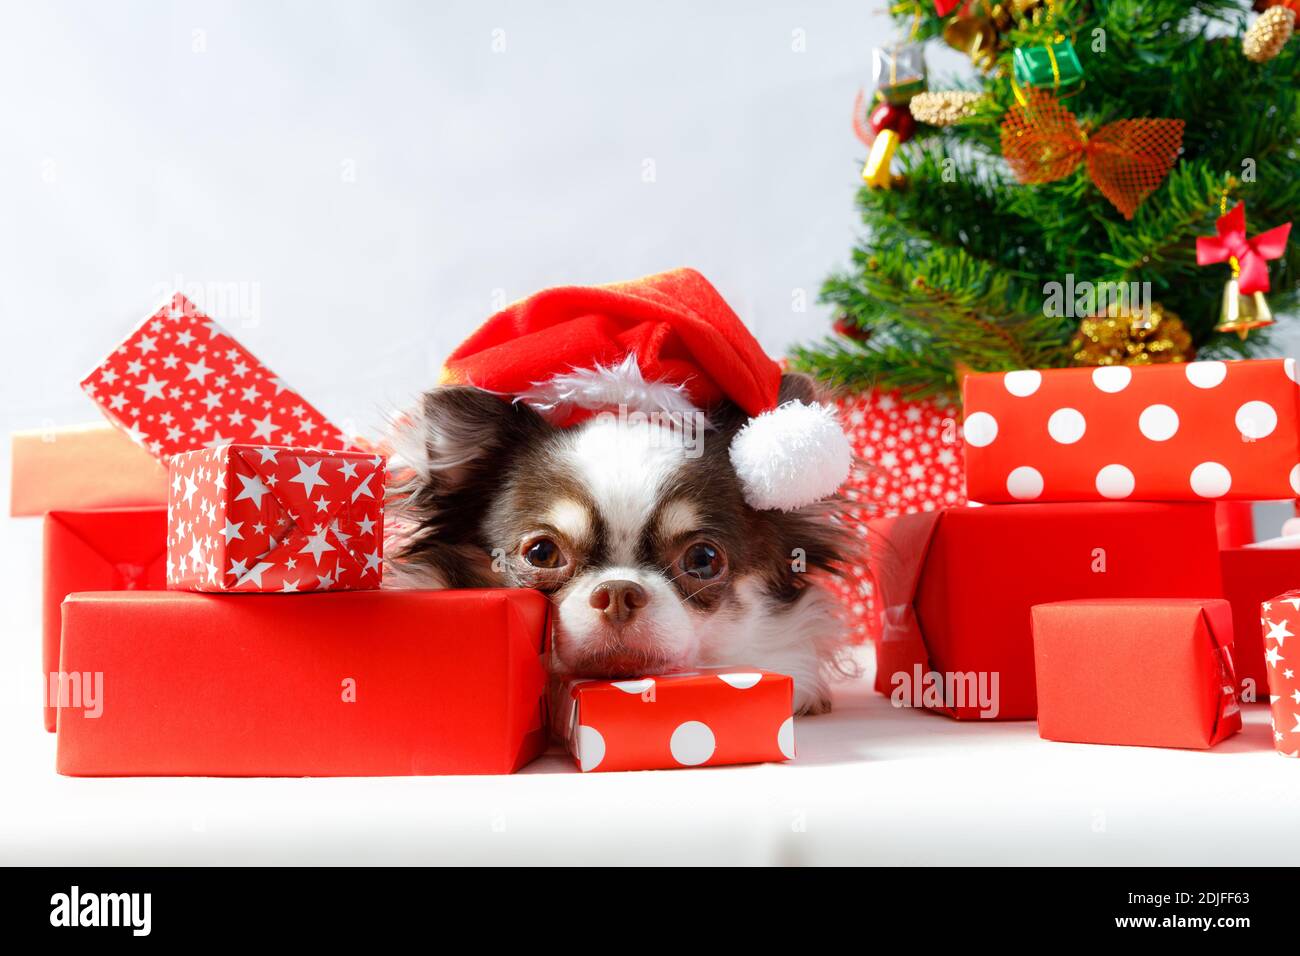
668,343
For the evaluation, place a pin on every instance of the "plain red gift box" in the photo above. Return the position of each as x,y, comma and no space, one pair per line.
1175,432
254,685
1251,576
96,550
703,718
955,587
1141,672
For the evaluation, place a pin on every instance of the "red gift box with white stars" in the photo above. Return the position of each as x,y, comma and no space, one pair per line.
1177,432
1143,672
1280,623
702,718
908,460
181,382
263,518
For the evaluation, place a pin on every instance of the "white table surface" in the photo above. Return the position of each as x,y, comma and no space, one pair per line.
872,784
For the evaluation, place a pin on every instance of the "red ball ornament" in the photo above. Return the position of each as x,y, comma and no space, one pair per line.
847,328
891,116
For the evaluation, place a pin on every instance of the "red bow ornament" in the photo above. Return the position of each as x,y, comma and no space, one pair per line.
1251,255
945,7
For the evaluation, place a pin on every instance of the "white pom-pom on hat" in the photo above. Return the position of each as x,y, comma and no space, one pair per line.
791,456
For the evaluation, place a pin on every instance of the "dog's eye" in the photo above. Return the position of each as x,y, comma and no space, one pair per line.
544,553
702,560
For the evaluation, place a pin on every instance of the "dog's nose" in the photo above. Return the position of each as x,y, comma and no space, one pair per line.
619,600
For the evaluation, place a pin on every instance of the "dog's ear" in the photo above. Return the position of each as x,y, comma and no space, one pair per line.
458,449
462,435
796,386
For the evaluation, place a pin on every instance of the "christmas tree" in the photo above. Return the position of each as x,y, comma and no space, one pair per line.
1047,212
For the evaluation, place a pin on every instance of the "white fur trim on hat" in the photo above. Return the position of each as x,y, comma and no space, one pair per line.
792,456
606,387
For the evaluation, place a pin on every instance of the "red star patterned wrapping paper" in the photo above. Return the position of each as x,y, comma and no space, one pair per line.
955,587
263,518
348,683
1142,672
909,461
181,382
703,718
98,549
1203,430
1280,622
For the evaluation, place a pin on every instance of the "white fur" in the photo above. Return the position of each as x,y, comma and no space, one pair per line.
624,465
662,631
606,387
792,456
572,520
805,641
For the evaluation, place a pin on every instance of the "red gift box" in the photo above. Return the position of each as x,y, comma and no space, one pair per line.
116,549
1147,673
709,717
1159,433
181,382
908,460
82,466
1280,620
354,683
1252,575
249,518
956,587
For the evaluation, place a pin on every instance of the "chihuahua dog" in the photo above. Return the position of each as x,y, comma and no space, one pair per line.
638,532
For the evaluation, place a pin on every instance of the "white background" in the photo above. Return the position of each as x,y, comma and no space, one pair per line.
374,179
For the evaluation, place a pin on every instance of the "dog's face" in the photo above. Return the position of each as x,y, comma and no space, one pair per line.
635,527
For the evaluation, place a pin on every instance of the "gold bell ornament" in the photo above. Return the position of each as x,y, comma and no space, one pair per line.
1242,312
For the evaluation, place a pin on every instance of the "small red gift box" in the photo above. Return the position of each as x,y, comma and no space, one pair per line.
1148,673
82,466
1252,575
709,717
955,588
114,549
181,382
257,518
1159,433
1280,620
354,683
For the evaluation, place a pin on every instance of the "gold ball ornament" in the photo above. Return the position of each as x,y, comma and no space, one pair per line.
1121,336
1268,34
944,108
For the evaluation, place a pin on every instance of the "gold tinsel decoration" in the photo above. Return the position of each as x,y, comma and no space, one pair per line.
1268,34
944,108
1121,336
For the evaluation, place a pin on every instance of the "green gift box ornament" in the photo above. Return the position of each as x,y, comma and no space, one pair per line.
1054,65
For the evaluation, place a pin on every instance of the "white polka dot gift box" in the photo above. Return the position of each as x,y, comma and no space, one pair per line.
181,382
1280,622
1172,432
263,518
700,718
